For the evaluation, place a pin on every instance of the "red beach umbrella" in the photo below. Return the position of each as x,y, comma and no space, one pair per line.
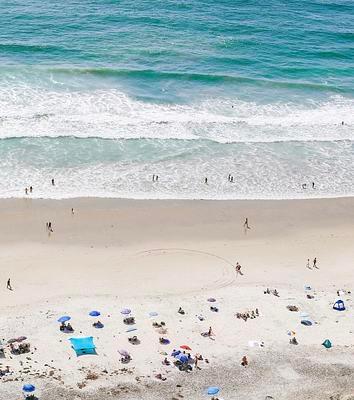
185,347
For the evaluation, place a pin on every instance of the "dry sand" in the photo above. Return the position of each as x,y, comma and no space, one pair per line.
157,256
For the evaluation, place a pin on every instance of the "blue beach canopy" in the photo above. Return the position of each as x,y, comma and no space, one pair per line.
339,305
28,388
83,345
126,311
64,318
306,322
213,390
94,313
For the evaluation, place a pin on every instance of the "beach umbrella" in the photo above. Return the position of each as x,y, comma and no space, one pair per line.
28,388
175,353
123,353
126,311
182,358
327,344
131,329
185,347
212,300
306,322
64,318
21,338
153,314
12,341
213,390
94,313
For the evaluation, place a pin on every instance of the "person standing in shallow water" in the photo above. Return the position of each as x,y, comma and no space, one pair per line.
206,181
53,182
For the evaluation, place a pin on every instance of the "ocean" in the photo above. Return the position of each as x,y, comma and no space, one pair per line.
102,94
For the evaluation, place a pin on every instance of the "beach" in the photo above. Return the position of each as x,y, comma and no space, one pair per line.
159,255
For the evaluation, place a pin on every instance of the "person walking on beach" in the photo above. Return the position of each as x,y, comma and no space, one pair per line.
8,285
315,263
49,227
308,264
238,269
245,225
72,211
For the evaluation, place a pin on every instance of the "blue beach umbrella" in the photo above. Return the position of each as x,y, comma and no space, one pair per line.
64,318
153,314
213,390
28,388
181,357
211,300
94,313
126,311
306,322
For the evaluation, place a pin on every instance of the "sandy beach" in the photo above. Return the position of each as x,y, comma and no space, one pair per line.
157,256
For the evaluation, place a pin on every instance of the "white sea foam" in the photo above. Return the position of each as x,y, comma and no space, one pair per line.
263,170
27,111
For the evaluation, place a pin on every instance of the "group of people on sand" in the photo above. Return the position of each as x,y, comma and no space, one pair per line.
248,315
66,327
22,348
314,263
274,291
5,371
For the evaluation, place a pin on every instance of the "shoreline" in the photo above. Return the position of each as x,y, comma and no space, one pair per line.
213,199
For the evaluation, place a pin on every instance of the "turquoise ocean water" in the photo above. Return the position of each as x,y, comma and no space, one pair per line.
102,94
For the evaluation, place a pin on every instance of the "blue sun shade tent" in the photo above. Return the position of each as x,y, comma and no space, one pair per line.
83,345
339,305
